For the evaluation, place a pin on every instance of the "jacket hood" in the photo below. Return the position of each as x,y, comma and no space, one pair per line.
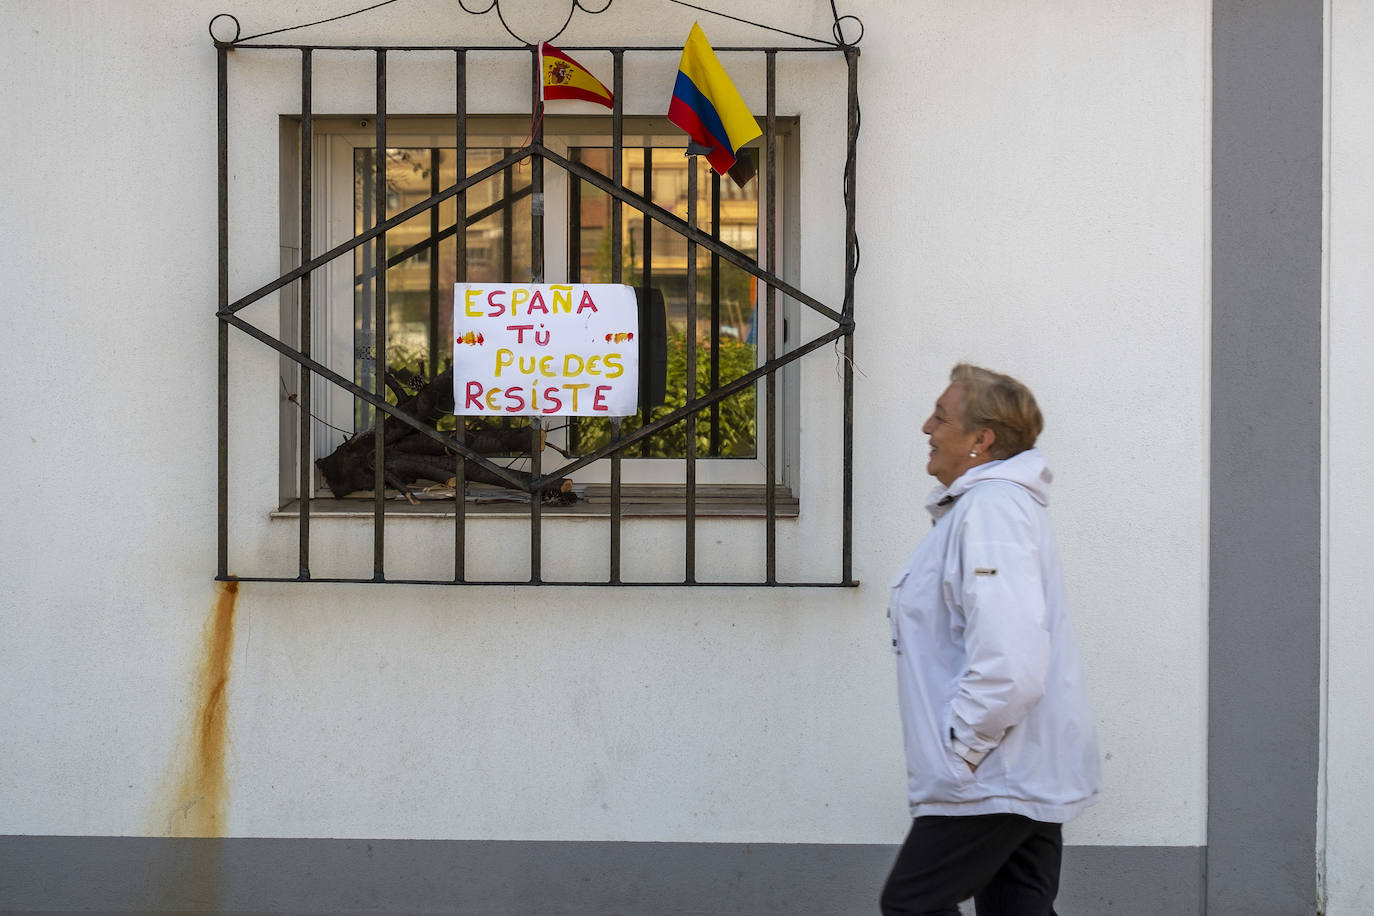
1026,469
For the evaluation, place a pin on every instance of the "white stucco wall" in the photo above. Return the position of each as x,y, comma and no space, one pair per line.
1032,196
1349,803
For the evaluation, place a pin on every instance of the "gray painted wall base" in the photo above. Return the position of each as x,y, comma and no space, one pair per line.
1264,710
472,878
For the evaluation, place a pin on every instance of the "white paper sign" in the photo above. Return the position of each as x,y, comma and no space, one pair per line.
524,350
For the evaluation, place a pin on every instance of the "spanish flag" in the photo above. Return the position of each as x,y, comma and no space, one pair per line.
708,107
565,78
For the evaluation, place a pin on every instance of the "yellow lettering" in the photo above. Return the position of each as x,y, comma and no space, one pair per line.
568,370
504,358
613,363
470,307
575,387
562,299
492,393
546,367
517,296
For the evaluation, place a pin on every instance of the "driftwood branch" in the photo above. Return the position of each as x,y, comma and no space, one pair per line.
411,456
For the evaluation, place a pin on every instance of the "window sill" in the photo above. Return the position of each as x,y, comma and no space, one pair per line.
593,501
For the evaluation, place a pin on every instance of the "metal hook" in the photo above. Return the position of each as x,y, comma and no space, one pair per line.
838,31
237,29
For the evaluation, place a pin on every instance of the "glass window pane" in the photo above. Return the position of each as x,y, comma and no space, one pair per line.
725,334
421,256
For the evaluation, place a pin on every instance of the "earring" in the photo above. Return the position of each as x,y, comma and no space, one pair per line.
973,454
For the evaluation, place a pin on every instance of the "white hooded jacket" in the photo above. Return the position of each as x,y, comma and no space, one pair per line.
988,670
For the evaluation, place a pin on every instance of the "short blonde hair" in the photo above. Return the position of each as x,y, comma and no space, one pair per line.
1000,403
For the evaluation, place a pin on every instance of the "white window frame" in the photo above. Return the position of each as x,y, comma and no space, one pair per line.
336,139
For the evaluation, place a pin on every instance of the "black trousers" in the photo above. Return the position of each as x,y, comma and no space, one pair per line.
1007,863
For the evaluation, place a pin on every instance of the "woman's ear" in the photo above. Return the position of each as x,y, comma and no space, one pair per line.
984,441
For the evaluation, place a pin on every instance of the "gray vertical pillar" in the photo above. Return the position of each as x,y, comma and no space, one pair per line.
1265,654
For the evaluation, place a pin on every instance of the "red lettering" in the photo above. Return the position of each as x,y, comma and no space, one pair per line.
536,302
516,401
552,403
599,401
474,393
519,330
499,306
586,302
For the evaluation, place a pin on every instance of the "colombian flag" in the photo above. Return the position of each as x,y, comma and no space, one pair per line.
708,107
565,78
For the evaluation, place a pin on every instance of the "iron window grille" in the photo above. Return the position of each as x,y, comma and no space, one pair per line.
538,154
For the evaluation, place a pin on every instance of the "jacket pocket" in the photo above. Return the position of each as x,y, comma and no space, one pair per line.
958,767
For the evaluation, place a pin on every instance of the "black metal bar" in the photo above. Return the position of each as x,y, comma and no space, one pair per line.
647,280
536,276
506,583
826,48
575,226
508,221
617,276
617,425
371,234
365,347
617,161
222,144
536,178
433,244
679,226
306,316
572,428
460,274
690,343
379,360
460,504
536,502
850,266
701,403
770,410
363,394
715,314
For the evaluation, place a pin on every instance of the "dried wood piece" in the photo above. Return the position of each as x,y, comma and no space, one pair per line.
411,456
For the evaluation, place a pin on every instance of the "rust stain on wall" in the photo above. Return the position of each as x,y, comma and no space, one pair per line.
200,792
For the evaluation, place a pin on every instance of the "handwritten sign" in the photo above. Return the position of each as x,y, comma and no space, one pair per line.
539,350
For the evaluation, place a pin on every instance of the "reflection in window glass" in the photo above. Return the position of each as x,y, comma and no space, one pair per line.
422,252
725,333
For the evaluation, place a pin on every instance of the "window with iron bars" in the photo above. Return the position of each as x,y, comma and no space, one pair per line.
421,266
620,184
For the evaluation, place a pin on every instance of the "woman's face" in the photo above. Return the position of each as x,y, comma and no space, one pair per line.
949,444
